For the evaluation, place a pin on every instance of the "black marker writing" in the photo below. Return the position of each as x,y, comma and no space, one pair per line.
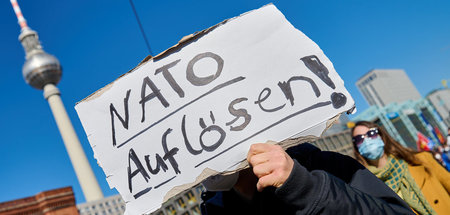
201,81
286,87
238,114
155,93
313,63
186,141
211,128
170,153
338,100
139,169
159,163
124,122
312,107
206,129
169,78
260,100
214,89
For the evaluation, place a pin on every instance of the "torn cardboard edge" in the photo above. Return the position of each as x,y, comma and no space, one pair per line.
184,41
308,135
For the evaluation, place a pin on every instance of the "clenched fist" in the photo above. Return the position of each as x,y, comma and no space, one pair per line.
271,164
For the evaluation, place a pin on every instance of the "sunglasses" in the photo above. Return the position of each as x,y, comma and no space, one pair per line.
358,139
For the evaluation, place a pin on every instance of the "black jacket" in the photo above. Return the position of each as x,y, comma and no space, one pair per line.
320,183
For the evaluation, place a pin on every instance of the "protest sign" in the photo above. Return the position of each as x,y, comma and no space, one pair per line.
195,109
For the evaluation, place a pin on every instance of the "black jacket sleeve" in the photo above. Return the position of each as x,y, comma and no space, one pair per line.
331,183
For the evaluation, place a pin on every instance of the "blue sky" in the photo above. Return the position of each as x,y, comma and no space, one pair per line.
97,41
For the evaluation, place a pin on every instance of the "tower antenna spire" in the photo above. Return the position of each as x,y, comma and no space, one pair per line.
19,15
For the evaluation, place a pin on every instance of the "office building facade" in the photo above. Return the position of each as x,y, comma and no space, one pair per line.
113,205
340,142
404,120
185,203
384,86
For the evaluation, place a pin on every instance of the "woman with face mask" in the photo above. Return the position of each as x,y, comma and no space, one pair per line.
416,177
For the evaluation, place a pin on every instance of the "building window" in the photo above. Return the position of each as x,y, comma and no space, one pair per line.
322,143
199,189
331,145
428,117
343,141
379,123
191,197
418,124
170,210
196,210
180,203
376,95
404,132
367,95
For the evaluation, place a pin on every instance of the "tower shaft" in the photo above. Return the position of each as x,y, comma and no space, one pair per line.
76,153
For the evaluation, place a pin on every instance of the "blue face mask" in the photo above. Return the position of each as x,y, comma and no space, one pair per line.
372,148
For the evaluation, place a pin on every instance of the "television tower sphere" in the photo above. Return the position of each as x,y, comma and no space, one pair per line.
41,69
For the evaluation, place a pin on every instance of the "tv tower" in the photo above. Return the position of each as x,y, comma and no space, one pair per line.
43,71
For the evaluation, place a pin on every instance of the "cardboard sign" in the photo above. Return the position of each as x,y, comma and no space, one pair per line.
195,109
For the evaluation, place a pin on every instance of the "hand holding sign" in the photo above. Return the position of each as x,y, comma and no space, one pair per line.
271,164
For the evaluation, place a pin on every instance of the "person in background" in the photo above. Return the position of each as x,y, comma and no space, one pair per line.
445,160
437,152
416,177
446,151
300,180
448,136
447,143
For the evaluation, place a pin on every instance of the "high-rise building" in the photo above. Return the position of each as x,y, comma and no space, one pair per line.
52,202
384,86
440,99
